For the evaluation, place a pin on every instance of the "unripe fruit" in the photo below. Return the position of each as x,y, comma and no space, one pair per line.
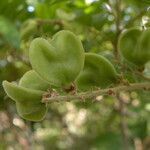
134,46
32,112
21,94
58,61
28,101
128,44
97,72
32,80
144,46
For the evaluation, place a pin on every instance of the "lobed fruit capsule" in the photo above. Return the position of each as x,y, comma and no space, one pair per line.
58,61
134,46
128,43
28,101
32,112
33,81
143,52
97,72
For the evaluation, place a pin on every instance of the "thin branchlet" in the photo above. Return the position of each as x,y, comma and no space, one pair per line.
95,93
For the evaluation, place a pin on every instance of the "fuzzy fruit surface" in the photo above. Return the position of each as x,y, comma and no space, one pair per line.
97,72
28,101
134,45
33,81
58,61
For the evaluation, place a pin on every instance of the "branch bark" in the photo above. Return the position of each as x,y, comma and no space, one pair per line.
94,94
118,29
50,22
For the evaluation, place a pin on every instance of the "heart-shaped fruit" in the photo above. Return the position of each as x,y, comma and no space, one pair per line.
134,46
21,94
58,61
28,101
143,52
32,112
97,72
32,80
128,44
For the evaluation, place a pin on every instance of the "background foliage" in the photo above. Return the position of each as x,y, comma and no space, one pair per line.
101,125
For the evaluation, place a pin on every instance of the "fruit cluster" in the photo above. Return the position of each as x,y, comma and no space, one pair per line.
61,61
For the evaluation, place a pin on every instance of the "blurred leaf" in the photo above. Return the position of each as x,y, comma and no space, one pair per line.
42,11
109,141
9,32
14,9
139,129
52,2
64,15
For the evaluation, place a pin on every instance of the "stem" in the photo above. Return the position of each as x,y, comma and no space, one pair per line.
142,76
50,22
94,94
118,15
118,30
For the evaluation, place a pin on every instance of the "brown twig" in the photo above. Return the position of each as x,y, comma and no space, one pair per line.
118,29
93,94
142,76
50,22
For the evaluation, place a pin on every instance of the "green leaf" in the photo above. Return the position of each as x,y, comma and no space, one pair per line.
9,32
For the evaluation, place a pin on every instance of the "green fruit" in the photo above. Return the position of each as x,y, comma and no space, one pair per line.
144,46
28,101
32,80
32,112
29,28
128,44
58,61
134,46
21,94
97,72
